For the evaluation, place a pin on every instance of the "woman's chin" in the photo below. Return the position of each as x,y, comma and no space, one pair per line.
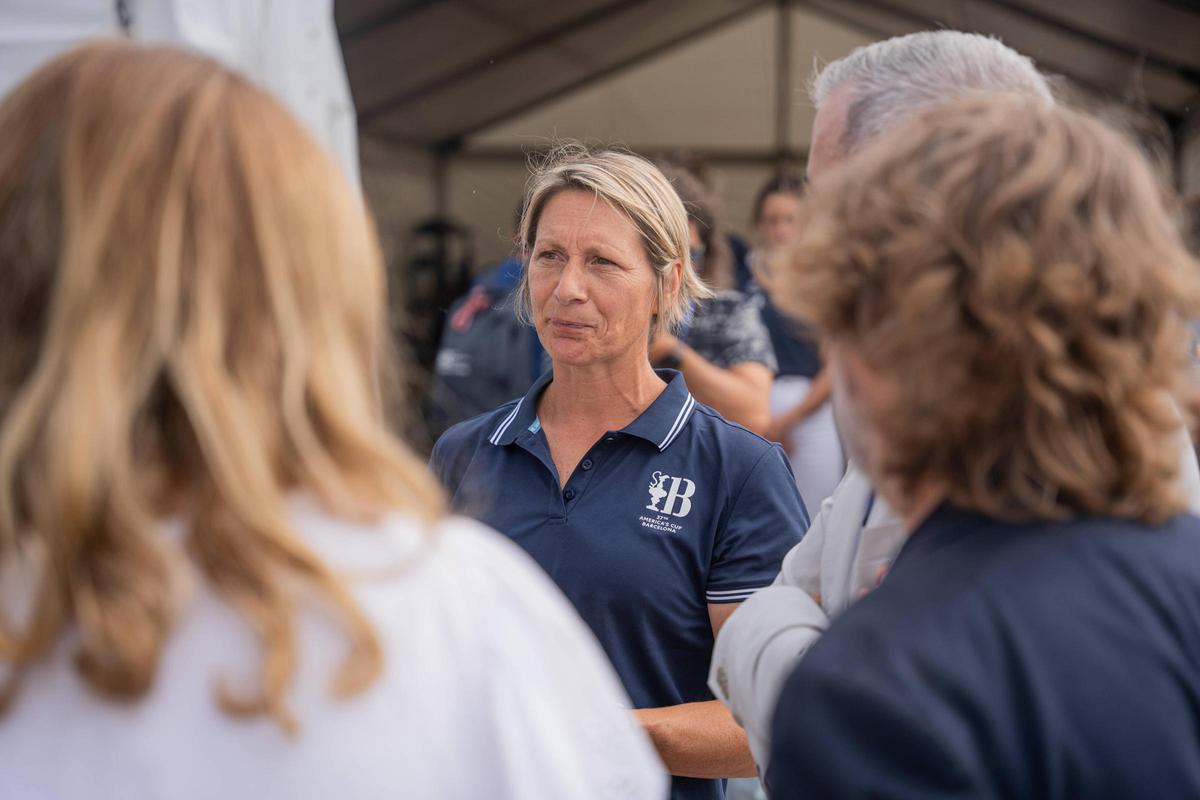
572,357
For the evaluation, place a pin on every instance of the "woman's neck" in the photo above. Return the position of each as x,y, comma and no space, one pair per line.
600,396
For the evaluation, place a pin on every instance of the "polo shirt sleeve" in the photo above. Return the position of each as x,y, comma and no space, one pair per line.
439,461
451,456
767,518
853,732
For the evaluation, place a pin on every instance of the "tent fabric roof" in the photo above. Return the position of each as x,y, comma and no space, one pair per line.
433,72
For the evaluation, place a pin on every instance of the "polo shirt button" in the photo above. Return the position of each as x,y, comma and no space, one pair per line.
569,494
587,463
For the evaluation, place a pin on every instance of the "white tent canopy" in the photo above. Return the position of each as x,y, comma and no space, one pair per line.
453,94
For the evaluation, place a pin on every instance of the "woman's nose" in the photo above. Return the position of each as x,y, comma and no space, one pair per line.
571,287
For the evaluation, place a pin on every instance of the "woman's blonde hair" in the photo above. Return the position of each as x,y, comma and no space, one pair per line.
193,321
634,187
1012,266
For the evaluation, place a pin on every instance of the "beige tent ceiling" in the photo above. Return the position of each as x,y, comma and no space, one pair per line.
443,73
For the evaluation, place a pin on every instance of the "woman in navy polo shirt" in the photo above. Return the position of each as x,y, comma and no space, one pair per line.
654,515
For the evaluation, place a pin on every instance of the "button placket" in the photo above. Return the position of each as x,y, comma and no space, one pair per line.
584,472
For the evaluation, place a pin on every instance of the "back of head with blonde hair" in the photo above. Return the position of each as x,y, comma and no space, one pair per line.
1012,266
634,187
193,322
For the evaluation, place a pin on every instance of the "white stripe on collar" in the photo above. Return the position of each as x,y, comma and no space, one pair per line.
680,421
495,439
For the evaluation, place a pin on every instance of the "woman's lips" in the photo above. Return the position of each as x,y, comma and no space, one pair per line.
567,326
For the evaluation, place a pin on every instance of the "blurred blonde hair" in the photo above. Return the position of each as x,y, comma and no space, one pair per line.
636,188
1012,266
194,325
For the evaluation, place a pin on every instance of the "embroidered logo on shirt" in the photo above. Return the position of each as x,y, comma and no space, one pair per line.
674,494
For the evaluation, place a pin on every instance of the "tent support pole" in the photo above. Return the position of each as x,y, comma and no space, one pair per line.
783,83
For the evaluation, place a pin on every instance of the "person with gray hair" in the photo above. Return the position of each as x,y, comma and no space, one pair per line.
894,78
855,535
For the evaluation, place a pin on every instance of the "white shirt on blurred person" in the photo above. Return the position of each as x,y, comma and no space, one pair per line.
491,687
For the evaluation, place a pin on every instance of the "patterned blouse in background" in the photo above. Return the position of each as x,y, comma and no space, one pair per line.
727,330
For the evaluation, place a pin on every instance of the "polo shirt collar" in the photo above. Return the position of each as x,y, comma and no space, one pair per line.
665,419
522,415
660,424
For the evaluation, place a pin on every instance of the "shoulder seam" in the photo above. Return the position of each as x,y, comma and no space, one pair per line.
486,417
757,463
716,415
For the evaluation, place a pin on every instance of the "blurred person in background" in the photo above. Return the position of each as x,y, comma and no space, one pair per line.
801,416
722,347
654,515
486,355
732,244
855,534
222,574
1005,299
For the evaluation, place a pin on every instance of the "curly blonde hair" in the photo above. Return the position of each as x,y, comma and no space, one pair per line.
1011,265
193,321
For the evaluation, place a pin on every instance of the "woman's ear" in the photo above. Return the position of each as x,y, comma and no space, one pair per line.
672,280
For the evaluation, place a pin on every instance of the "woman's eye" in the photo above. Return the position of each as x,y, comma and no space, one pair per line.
547,255
603,262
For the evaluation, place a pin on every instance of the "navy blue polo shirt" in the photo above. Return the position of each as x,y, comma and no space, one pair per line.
1052,660
677,510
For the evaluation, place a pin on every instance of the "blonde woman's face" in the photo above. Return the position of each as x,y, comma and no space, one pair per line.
591,283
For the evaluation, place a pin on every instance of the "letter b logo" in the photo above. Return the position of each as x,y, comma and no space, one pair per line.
680,493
